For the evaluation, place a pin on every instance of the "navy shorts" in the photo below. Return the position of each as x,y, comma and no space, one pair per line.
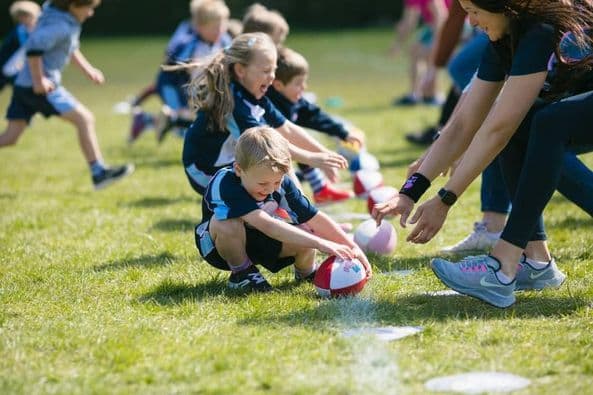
261,249
25,103
171,87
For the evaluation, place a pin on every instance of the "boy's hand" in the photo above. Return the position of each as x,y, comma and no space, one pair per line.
96,76
355,136
44,87
339,250
400,205
329,162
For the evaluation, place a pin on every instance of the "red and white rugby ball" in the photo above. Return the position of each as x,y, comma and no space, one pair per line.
365,181
339,277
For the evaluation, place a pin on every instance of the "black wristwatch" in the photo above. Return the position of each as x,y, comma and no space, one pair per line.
447,197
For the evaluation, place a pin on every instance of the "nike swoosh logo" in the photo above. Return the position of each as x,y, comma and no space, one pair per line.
488,284
535,276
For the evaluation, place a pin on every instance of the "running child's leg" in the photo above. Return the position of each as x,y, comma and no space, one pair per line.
13,131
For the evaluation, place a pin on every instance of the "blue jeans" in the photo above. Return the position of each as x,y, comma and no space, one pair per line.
464,64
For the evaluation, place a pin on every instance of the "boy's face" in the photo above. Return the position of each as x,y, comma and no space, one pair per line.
83,12
294,89
258,75
259,181
27,20
211,32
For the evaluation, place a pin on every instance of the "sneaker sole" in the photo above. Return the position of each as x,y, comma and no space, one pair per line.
500,302
106,183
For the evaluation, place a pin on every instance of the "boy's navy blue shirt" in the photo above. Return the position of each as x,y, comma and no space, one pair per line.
209,150
225,198
13,41
306,114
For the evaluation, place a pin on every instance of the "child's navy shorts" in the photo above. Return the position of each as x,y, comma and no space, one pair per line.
261,249
25,103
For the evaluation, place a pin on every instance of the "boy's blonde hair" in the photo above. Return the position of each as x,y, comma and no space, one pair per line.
260,19
262,145
21,8
290,64
209,90
208,11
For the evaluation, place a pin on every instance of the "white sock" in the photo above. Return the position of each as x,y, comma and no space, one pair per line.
503,278
537,264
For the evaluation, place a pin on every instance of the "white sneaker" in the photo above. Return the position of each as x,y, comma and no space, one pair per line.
479,240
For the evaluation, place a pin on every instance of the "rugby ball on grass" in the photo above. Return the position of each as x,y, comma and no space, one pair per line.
365,181
380,239
340,277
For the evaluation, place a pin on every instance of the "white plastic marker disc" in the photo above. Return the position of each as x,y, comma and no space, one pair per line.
123,107
444,292
477,382
386,333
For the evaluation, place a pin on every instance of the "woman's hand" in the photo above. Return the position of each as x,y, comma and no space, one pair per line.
429,218
401,205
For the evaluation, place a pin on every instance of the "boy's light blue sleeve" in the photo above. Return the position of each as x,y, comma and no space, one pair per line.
46,37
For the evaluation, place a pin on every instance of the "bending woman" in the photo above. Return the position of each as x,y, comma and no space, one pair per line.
509,110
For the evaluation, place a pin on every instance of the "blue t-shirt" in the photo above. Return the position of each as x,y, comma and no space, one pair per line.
225,198
210,150
55,38
534,48
306,114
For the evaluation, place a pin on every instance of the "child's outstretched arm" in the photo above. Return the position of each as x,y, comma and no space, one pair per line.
287,233
326,228
87,68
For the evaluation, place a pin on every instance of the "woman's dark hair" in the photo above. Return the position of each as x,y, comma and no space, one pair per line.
65,4
574,16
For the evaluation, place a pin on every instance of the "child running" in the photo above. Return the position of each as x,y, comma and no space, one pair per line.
229,92
254,213
38,86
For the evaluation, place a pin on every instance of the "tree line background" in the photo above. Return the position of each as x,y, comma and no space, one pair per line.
130,17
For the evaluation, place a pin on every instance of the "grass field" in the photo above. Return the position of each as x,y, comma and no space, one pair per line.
105,293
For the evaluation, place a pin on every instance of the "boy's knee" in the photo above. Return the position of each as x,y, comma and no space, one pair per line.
229,229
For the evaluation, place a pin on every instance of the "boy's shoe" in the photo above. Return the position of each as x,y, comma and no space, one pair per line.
249,279
479,240
308,278
432,100
529,277
426,137
111,174
406,100
476,276
140,121
330,194
163,123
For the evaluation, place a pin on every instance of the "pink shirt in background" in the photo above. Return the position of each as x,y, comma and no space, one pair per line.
423,5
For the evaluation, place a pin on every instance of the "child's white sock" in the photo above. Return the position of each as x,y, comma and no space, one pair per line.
536,264
241,267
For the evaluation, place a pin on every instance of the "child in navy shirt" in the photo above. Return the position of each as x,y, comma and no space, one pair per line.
203,35
12,55
252,213
286,93
229,92
38,85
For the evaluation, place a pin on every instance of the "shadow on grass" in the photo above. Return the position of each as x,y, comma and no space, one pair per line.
175,225
418,309
170,293
145,261
151,202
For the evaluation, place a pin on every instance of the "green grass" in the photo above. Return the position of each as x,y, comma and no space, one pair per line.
105,293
